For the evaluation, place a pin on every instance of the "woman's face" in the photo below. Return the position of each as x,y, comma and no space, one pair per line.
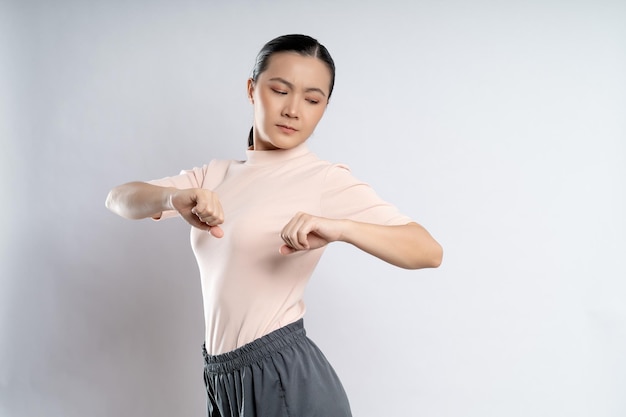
289,99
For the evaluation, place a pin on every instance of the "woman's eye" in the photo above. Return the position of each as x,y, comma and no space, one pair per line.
312,101
279,91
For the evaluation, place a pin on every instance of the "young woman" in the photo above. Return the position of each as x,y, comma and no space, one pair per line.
259,229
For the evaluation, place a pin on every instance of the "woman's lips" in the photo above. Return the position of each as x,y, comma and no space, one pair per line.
287,129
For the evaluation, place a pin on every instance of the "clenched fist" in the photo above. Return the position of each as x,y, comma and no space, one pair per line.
305,232
200,208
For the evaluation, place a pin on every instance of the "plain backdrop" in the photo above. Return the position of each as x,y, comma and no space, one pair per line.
500,126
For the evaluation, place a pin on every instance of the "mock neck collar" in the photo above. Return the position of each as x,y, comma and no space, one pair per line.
275,156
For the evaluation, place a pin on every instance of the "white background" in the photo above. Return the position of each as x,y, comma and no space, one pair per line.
500,126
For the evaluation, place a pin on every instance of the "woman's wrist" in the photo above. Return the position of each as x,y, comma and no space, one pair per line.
167,199
346,230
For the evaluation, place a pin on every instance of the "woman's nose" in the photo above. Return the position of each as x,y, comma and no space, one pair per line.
291,109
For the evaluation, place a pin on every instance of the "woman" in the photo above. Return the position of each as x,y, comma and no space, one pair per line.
259,229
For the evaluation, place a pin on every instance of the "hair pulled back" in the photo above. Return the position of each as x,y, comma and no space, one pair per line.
300,44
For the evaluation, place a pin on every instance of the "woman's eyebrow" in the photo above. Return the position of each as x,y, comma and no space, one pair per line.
290,85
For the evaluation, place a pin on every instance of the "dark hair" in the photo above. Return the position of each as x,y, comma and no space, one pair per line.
300,44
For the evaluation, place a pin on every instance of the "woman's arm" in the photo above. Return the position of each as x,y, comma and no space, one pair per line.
408,246
137,200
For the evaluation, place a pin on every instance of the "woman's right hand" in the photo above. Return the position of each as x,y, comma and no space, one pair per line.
200,208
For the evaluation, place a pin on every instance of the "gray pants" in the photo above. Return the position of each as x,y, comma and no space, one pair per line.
282,374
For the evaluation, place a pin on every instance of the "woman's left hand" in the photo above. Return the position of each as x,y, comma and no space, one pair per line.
407,246
306,232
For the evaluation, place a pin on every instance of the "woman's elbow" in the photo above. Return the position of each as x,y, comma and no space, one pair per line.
114,200
436,257
109,203
426,251
430,258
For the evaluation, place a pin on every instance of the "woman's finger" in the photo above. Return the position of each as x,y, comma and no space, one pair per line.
216,231
211,215
285,250
295,233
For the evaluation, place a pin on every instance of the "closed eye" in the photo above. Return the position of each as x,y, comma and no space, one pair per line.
279,91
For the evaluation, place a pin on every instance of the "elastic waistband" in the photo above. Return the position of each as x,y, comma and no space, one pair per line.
256,350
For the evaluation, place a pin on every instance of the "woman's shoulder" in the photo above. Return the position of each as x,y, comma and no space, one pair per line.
221,163
328,165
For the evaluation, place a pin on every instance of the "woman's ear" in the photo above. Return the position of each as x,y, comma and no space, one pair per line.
250,88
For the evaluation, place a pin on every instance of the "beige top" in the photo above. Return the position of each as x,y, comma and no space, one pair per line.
249,288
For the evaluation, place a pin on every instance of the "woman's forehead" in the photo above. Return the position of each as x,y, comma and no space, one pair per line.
298,69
